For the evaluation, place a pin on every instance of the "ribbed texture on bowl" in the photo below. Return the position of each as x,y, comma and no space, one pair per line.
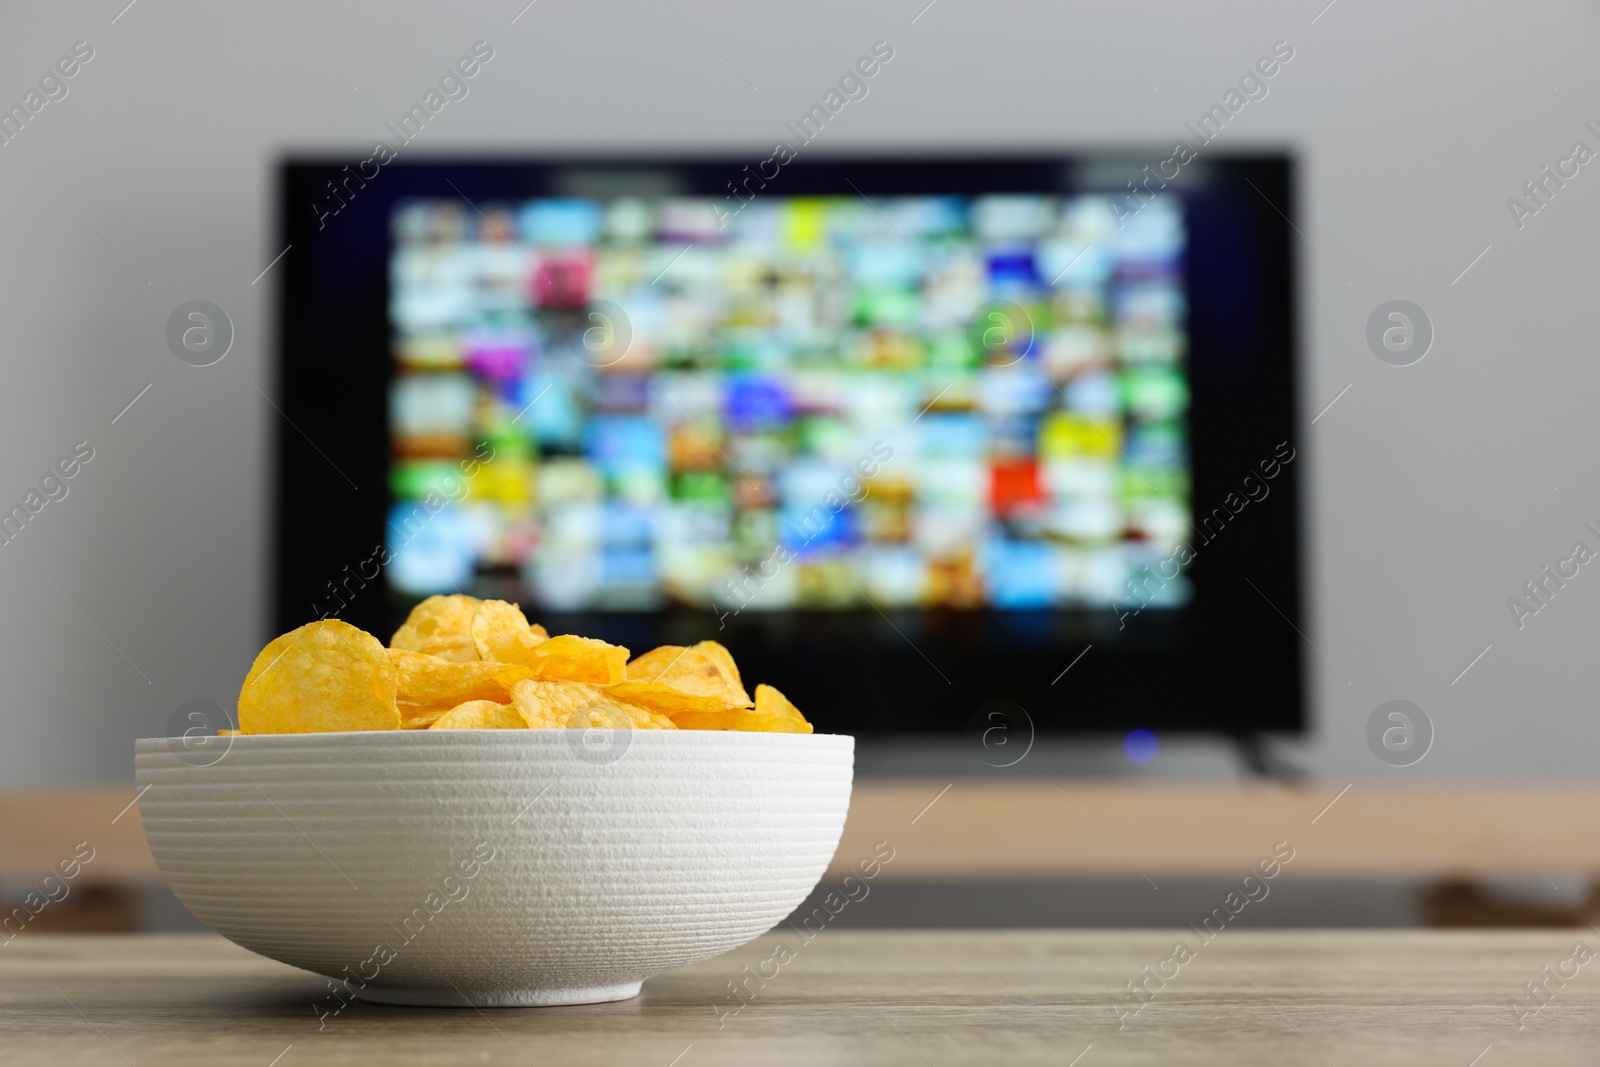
315,849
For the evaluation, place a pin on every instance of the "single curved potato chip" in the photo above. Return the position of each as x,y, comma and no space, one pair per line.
579,659
554,704
777,714
326,676
704,673
502,633
771,702
440,626
481,715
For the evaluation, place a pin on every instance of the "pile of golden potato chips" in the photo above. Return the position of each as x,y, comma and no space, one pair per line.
460,663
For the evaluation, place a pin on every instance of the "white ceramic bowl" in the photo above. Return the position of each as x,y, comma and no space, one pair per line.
496,867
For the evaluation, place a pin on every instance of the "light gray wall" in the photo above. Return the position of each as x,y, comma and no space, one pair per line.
1416,122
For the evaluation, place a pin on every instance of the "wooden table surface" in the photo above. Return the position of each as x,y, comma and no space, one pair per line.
1317,998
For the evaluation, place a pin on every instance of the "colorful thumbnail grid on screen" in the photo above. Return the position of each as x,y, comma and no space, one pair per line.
903,402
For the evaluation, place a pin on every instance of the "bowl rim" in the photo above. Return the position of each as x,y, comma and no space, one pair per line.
545,733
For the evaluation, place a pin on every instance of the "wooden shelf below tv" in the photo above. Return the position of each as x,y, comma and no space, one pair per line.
979,830
982,830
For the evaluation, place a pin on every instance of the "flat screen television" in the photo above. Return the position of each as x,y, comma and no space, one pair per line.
909,434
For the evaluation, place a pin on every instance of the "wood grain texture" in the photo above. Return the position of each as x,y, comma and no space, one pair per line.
1282,998
981,830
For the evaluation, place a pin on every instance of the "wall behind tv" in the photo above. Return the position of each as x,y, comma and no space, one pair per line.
1439,488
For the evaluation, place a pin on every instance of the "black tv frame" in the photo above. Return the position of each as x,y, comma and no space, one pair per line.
1232,661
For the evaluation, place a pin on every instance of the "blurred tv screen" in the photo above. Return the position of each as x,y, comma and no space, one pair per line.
816,402
909,434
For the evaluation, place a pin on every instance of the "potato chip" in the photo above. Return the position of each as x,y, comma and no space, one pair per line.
420,716
708,669
651,720
553,704
669,700
268,657
724,718
771,702
461,663
722,656
773,724
742,719
650,666
440,626
775,706
481,715
429,686
672,680
325,676
773,714
425,679
604,717
579,659
502,633
547,705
